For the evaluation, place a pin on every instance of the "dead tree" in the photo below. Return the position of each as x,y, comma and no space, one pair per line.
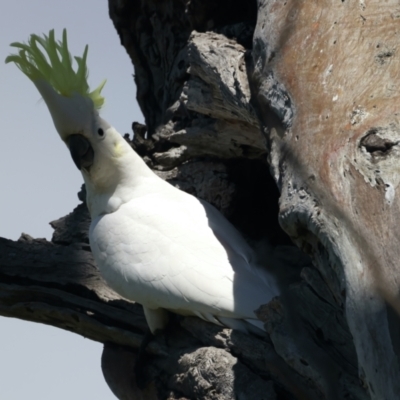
283,115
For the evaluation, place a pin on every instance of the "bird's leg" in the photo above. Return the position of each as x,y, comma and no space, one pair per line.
157,320
139,369
140,364
163,328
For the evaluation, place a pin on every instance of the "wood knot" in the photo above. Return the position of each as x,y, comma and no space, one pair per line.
375,144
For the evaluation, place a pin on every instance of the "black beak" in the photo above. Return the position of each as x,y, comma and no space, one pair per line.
81,151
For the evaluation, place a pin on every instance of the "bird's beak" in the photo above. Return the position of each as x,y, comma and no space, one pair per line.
81,151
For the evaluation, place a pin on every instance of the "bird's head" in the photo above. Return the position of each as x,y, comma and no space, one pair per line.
97,149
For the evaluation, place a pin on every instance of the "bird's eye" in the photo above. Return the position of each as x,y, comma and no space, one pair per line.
100,132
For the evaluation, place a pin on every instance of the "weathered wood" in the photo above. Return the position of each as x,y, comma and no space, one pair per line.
327,126
234,92
207,110
59,285
336,159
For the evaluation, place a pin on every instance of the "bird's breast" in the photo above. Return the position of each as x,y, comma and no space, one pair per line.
126,256
161,252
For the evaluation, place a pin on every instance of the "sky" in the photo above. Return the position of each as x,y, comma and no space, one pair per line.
39,184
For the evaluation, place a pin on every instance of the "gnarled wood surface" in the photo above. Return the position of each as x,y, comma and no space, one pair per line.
337,160
248,104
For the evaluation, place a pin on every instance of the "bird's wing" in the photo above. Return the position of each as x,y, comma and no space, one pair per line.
161,251
227,234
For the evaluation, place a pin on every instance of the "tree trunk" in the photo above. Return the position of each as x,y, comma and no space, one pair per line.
282,114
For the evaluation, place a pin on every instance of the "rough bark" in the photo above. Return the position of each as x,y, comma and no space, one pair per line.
322,85
248,104
336,159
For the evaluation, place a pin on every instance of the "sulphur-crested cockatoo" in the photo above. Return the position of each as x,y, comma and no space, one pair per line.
152,243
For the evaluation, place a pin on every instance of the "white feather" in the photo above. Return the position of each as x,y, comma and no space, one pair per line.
166,249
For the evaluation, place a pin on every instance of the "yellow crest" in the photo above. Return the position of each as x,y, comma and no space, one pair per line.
54,65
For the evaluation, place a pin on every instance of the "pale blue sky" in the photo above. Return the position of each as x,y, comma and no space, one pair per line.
39,184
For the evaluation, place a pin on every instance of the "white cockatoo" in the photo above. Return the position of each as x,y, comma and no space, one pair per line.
152,243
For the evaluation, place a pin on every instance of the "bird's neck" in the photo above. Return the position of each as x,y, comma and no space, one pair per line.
117,181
